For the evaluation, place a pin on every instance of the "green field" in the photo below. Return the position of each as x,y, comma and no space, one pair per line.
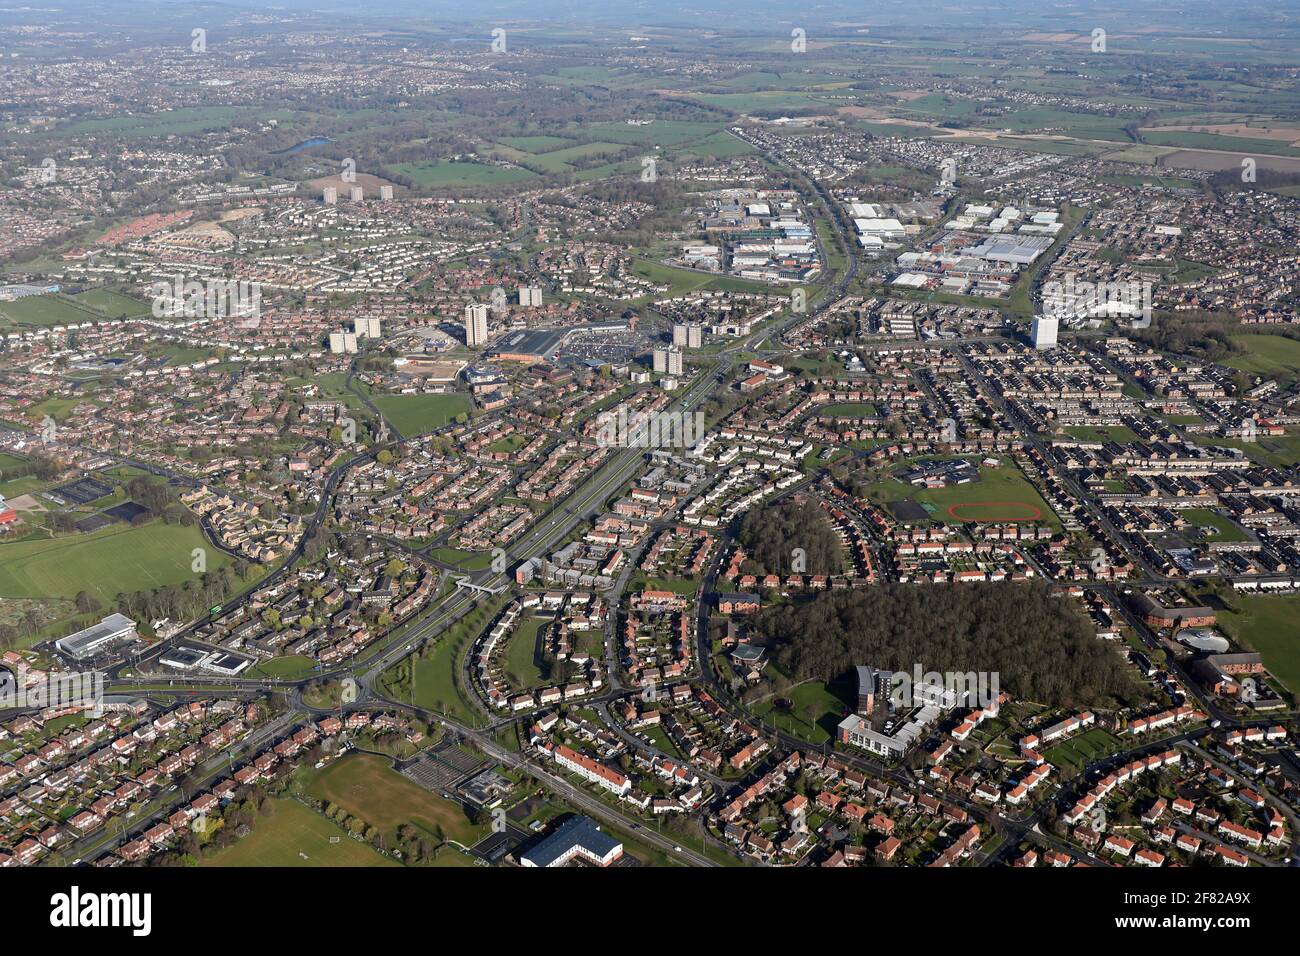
535,144
367,787
46,310
295,835
111,303
850,410
1272,356
1118,433
1269,624
688,280
1168,182
1243,144
178,122
1226,528
416,414
465,560
430,682
441,173
521,663
105,563
291,667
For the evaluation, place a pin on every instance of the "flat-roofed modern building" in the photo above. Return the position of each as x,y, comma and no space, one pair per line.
95,639
576,838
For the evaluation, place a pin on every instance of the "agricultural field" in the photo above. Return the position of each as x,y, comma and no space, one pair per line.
295,835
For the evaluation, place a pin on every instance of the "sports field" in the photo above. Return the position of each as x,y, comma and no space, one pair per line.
1269,624
46,310
367,787
295,835
104,563
1002,494
416,414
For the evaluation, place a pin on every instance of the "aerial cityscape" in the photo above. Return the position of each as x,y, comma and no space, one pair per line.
692,436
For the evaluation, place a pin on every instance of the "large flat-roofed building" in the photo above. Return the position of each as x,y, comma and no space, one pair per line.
528,345
97,638
576,838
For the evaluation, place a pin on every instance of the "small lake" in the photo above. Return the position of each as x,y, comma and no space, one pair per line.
305,144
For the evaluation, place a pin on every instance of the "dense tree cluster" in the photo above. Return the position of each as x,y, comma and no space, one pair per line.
185,602
770,536
1041,647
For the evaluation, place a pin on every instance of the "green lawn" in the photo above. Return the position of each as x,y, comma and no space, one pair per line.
850,410
521,662
431,682
1119,433
295,835
828,704
1227,529
465,560
367,787
1082,749
1269,624
105,563
416,414
288,667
